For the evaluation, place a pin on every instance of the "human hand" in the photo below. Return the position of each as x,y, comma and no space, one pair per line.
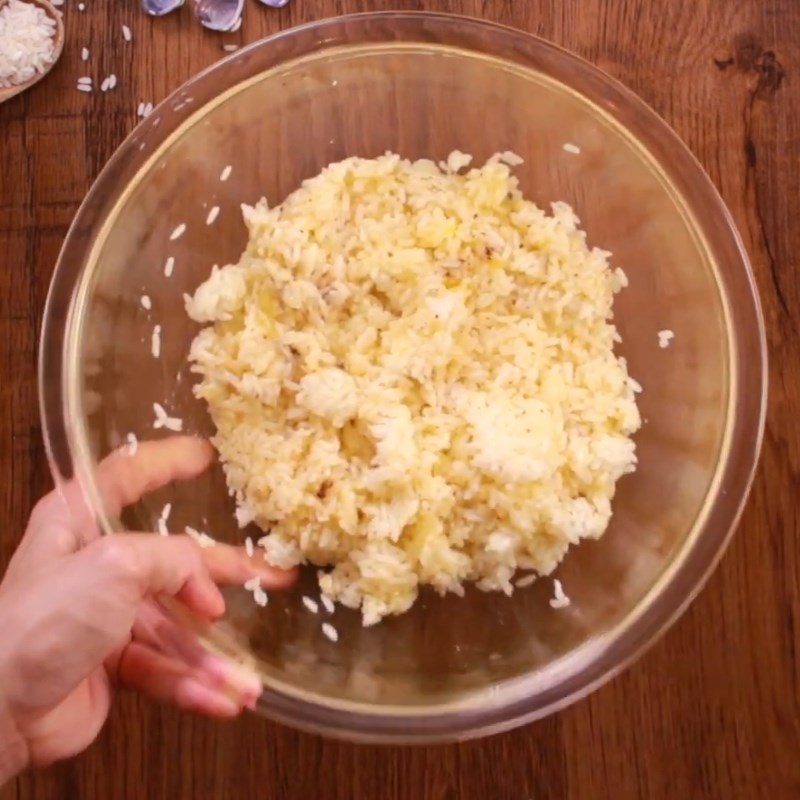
79,614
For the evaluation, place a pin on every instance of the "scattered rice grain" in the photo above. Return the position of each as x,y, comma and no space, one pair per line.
559,599
664,338
226,173
126,33
571,148
202,538
330,632
311,605
212,215
177,232
169,264
155,342
328,604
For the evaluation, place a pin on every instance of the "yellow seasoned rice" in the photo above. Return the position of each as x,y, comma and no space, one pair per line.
412,377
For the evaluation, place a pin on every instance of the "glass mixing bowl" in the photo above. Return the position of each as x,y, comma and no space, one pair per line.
423,85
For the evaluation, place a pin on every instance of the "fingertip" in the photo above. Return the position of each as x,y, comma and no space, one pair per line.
274,577
192,694
203,597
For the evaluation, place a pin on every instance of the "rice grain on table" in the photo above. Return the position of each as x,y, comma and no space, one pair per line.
147,304
127,35
84,54
177,232
169,264
412,375
664,338
226,173
571,148
155,342
212,215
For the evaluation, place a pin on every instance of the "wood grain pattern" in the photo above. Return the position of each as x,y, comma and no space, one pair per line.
713,710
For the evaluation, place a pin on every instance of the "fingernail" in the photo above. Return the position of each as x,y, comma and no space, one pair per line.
200,697
228,673
252,703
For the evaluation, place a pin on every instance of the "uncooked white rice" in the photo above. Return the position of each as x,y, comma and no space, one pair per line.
559,599
169,265
84,87
571,148
664,338
412,376
126,33
202,538
164,420
147,304
84,54
226,173
26,42
252,583
248,546
525,580
212,215
155,342
310,604
327,603
177,232
330,632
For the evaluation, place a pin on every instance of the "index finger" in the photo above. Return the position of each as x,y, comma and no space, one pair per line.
122,478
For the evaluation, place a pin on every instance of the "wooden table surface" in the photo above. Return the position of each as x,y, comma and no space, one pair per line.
713,710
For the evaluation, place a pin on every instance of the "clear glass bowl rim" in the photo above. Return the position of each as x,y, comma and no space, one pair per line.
518,700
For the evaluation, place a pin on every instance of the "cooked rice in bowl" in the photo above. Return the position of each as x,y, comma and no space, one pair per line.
412,377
